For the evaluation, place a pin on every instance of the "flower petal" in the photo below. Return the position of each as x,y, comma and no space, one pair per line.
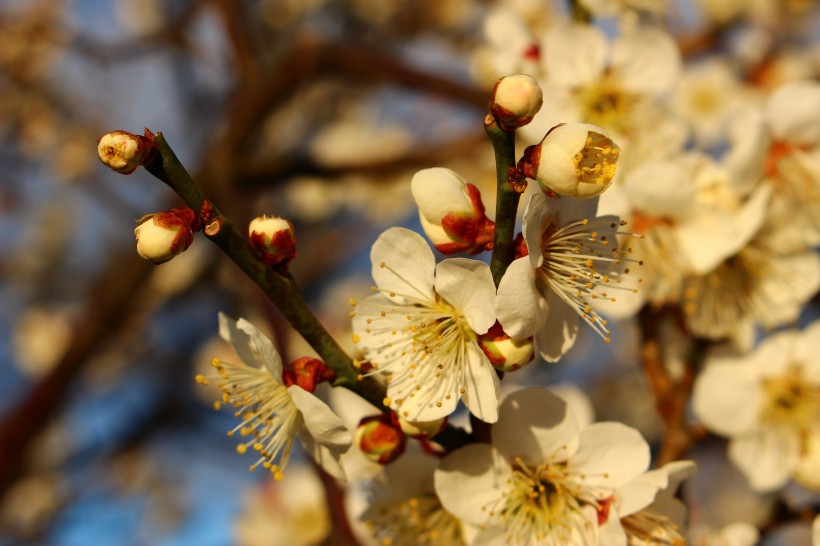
520,308
468,286
253,347
558,334
767,458
575,54
481,386
727,398
611,454
536,425
646,61
469,480
439,191
793,113
323,425
403,266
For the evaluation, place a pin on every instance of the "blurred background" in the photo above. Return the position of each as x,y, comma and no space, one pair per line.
319,111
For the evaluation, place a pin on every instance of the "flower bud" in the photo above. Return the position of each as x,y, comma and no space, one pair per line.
516,100
505,353
306,372
451,212
123,152
274,239
574,159
422,429
380,439
163,235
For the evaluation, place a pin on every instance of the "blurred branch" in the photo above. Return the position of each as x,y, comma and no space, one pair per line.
671,397
107,309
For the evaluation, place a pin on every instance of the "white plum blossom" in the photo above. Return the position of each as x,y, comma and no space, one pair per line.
767,403
571,254
274,415
404,509
544,480
662,522
617,86
421,329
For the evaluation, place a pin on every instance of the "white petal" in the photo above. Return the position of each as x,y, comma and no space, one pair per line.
323,425
793,112
481,386
403,265
328,459
468,286
439,191
520,308
611,454
535,424
641,492
253,347
661,188
575,55
646,61
611,532
556,170
767,458
537,214
727,398
558,334
469,480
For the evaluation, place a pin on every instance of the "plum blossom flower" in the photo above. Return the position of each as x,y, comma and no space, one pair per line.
545,480
767,403
662,522
273,414
421,329
404,510
571,253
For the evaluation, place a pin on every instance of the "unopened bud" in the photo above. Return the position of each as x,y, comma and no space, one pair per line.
574,159
306,372
516,100
505,353
451,212
163,235
422,429
123,152
380,439
274,239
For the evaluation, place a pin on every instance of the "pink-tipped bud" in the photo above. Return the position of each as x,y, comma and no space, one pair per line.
380,439
516,100
422,429
451,212
306,372
274,239
573,159
122,151
163,235
505,353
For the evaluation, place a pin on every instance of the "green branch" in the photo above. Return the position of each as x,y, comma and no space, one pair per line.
507,198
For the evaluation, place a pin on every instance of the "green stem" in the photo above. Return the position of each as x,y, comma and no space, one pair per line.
280,287
507,199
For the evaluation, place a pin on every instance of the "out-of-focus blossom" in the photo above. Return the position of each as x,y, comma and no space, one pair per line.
41,336
545,480
273,239
274,414
575,160
451,212
734,534
571,254
421,329
515,100
610,8
290,512
767,403
163,235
